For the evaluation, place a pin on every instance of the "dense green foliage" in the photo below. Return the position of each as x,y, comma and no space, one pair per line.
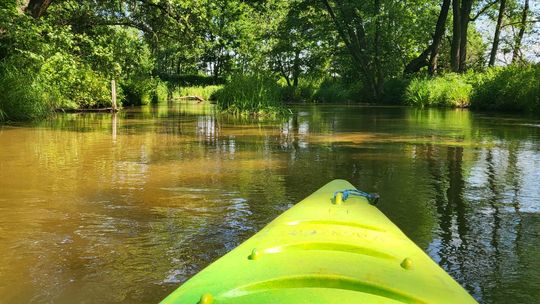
65,53
332,90
47,65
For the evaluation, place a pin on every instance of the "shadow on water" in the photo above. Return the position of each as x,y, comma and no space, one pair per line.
123,208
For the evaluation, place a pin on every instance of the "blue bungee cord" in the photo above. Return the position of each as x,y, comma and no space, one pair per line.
373,198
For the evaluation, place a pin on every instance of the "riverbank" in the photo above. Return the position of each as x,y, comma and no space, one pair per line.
504,89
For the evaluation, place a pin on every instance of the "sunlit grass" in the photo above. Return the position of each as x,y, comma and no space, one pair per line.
251,95
449,90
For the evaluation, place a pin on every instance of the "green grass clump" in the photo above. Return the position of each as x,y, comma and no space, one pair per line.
161,92
22,95
513,88
205,92
251,94
450,90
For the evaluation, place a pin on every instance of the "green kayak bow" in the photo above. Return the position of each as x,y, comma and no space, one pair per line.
332,247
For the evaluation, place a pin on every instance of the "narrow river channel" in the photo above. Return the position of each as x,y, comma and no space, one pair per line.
123,209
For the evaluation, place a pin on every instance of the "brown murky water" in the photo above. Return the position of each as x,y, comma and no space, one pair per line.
122,209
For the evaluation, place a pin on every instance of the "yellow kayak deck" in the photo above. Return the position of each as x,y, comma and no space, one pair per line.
324,251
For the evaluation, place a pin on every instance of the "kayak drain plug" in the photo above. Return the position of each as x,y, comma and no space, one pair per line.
407,263
255,254
206,299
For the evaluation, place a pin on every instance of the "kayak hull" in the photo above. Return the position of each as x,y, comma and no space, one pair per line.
324,251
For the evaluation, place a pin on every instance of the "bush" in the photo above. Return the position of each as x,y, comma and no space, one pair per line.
254,94
332,91
45,66
513,88
449,90
32,91
73,84
394,90
338,91
305,91
143,89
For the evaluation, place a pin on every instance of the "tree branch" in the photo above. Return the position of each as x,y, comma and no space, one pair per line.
482,10
519,22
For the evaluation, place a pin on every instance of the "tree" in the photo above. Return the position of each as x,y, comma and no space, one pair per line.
461,10
466,6
304,44
522,26
456,36
350,24
498,26
437,37
36,8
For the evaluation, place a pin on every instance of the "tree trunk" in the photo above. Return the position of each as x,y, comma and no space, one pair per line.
456,36
437,37
296,68
379,77
419,62
284,73
36,8
519,38
495,46
466,6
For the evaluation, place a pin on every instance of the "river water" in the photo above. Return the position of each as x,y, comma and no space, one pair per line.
124,208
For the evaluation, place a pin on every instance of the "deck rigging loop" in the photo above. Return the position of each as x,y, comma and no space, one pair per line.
373,198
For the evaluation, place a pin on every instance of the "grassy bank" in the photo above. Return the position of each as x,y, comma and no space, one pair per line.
29,92
515,88
512,88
